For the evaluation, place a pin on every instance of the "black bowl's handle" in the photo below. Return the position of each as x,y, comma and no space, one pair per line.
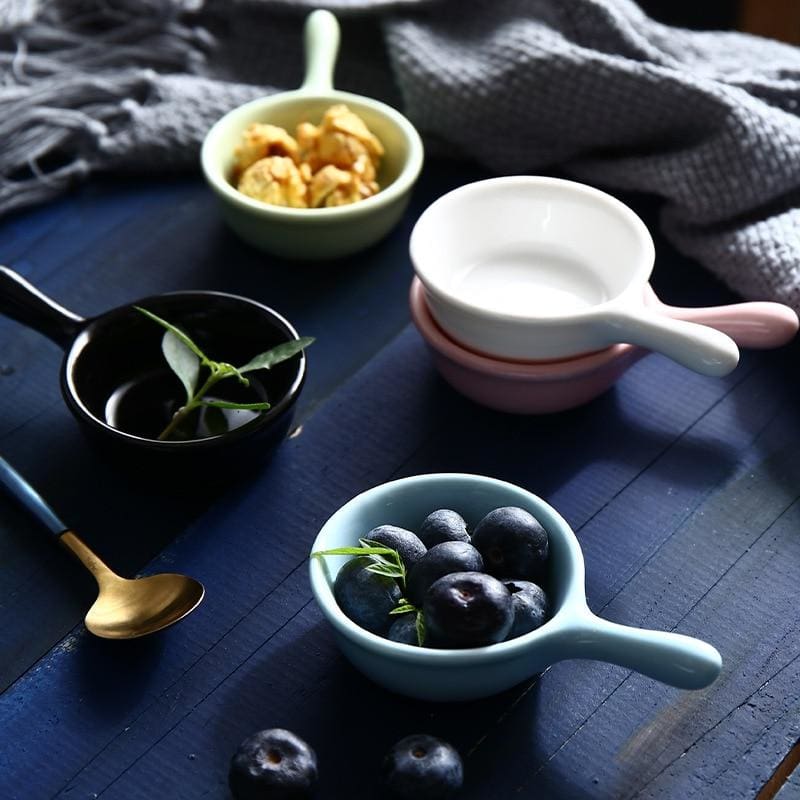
26,304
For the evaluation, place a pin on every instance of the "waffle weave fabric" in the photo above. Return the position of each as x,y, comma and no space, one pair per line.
707,121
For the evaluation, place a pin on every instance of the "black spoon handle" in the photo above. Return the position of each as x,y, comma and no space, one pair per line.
22,302
17,487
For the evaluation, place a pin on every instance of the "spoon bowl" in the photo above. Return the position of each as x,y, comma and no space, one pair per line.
127,609
573,631
124,608
315,233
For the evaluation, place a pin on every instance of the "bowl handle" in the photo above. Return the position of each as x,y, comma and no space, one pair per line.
321,41
24,303
698,347
671,658
757,324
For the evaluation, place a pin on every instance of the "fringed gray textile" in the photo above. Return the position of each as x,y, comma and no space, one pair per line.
707,121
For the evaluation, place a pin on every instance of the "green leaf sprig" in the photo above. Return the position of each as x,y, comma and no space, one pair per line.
385,561
186,360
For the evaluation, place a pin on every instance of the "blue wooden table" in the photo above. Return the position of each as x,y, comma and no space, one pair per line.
682,489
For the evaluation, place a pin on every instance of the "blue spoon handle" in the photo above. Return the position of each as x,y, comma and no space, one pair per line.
18,488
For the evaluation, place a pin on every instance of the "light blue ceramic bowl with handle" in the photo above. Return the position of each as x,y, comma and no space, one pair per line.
449,675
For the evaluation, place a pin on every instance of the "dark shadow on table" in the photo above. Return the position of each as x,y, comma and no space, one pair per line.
352,722
543,452
113,676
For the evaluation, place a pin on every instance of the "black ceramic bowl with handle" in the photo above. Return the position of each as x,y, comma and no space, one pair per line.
116,381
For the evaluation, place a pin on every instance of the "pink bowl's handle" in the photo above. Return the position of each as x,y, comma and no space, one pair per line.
755,324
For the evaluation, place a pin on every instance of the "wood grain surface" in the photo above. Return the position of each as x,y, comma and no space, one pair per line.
682,489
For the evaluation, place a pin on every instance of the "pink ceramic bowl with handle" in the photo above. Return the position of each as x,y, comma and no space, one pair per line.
545,387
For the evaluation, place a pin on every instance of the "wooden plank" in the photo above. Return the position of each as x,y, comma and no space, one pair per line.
260,655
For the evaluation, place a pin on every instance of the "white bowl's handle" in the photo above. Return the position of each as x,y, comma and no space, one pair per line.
698,347
672,658
321,39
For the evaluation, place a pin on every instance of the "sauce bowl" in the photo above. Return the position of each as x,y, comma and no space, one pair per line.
315,233
547,387
116,382
571,632
533,268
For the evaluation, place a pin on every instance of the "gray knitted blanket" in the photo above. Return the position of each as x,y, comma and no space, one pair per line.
594,88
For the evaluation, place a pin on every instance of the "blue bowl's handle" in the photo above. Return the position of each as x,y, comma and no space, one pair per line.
321,39
24,303
18,488
672,658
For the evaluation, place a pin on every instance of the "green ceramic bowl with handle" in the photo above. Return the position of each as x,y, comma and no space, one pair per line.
315,233
573,631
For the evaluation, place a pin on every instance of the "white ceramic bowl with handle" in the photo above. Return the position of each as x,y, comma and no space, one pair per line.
533,268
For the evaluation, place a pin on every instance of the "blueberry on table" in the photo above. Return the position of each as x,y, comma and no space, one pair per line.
530,607
422,767
407,544
513,544
364,596
467,609
404,629
273,765
443,525
440,559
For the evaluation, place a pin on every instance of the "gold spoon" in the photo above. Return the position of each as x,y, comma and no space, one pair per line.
124,609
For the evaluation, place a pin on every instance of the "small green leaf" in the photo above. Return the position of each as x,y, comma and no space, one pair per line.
388,570
391,557
404,608
182,361
420,626
240,406
177,331
281,352
352,551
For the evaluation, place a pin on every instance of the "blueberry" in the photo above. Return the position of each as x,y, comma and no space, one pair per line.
513,544
273,764
443,525
408,545
364,596
404,629
468,609
422,767
530,607
440,560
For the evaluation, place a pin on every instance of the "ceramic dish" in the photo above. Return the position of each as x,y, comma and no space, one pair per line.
572,631
533,268
317,233
111,362
546,387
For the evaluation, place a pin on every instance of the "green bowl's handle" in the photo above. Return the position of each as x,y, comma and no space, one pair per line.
321,37
672,658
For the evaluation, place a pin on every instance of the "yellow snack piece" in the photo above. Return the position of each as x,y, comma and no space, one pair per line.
336,161
340,118
332,186
260,140
276,180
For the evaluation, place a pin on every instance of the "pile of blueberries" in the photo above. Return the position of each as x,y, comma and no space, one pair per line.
458,590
